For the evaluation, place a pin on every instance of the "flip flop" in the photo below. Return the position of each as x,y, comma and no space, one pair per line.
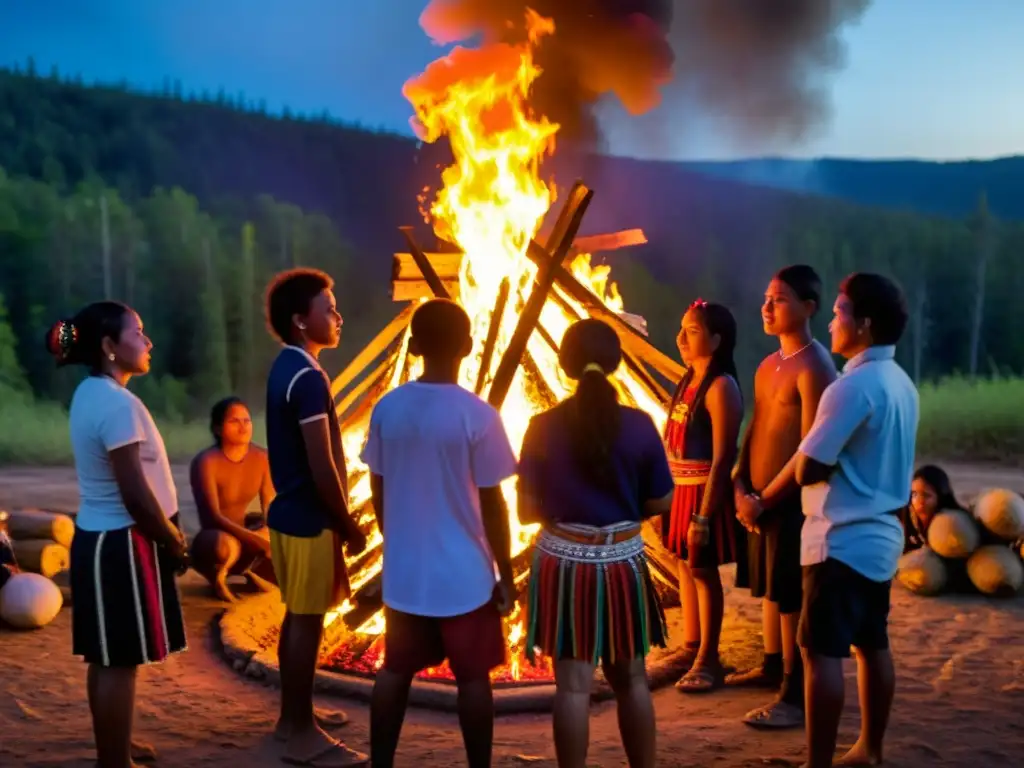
754,678
777,716
337,755
702,679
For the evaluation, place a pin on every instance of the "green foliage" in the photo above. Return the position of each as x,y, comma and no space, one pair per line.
960,419
12,377
195,279
980,420
194,262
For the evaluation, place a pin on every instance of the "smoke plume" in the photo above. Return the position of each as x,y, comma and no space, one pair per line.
756,65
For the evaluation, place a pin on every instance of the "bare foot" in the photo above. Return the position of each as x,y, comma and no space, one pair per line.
328,719
859,755
221,589
315,747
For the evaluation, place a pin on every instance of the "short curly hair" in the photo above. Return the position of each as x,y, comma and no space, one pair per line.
290,293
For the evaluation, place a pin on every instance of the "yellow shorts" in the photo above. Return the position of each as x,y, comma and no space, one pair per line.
310,571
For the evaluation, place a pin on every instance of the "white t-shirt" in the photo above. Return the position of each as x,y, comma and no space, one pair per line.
106,416
436,446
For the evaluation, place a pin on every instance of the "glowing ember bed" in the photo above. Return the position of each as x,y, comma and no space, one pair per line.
248,640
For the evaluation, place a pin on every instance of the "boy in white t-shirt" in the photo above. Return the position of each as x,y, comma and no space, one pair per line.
437,454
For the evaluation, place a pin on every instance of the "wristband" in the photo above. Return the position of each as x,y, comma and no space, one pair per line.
699,520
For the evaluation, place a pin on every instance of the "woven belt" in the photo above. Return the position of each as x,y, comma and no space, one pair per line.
552,543
689,472
597,536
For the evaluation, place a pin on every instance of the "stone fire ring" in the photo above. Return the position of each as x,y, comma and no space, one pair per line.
248,643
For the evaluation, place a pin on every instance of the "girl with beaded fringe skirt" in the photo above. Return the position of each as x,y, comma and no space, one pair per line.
590,471
591,596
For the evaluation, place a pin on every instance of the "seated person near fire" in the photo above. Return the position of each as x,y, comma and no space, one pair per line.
930,493
227,478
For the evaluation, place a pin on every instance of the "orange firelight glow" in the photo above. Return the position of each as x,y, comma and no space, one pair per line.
492,202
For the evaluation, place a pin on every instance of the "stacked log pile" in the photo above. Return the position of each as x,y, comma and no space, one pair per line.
41,540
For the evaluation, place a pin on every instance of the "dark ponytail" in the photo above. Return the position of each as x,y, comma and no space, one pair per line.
590,353
79,340
718,321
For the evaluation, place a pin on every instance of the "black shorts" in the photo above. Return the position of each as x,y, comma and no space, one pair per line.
773,557
125,606
843,608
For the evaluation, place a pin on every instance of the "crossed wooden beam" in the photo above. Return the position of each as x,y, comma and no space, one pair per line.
418,274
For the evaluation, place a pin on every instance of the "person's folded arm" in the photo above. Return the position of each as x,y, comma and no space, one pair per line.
843,409
204,493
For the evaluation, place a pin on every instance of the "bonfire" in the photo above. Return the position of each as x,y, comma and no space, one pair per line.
521,296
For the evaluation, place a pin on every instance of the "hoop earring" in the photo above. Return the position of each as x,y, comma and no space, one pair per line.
302,327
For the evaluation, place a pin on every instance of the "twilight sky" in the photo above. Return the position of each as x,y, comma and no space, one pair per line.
924,78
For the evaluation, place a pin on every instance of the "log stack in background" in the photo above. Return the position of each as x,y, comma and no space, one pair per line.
42,540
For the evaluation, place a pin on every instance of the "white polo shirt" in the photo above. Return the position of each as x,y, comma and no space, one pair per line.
866,426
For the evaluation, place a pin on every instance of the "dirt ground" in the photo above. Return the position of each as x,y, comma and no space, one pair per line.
959,659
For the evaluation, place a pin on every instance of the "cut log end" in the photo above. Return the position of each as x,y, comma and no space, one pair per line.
38,524
42,556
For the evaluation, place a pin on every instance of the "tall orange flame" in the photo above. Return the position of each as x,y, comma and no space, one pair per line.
491,203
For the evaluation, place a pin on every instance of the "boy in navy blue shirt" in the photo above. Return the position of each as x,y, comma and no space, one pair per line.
309,518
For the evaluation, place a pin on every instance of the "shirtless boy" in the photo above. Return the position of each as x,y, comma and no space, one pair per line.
787,387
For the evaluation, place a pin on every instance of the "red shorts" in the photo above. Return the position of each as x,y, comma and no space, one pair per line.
473,643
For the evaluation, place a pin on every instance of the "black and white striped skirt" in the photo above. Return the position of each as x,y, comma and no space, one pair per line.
125,605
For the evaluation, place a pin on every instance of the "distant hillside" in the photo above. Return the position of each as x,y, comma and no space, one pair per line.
944,189
254,186
368,183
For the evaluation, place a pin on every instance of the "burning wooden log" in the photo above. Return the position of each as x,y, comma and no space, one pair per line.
492,335
409,284
423,264
632,339
565,229
610,241
371,351
362,386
